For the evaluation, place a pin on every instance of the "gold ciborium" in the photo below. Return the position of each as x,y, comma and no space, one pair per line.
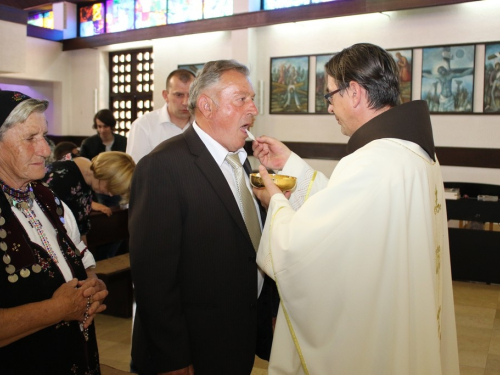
285,183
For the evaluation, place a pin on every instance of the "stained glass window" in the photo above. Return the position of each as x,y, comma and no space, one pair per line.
278,4
92,20
43,19
119,15
217,8
150,13
184,10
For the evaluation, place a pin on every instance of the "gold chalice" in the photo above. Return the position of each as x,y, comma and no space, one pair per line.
285,183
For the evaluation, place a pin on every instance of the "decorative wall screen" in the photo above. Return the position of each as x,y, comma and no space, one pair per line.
131,86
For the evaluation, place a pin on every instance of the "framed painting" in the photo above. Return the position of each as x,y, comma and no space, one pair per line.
191,67
289,85
491,101
404,60
320,105
448,78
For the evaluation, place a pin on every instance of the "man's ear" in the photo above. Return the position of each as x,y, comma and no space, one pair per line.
164,93
205,105
356,91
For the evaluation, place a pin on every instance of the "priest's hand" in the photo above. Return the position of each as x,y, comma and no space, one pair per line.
271,153
265,194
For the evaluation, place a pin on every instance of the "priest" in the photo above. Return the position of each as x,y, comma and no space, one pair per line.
361,260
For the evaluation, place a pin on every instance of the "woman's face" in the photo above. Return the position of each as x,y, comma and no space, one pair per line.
100,186
23,151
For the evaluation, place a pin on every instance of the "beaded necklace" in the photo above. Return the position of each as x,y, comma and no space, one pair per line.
23,201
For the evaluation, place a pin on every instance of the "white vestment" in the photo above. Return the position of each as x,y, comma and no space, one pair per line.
363,267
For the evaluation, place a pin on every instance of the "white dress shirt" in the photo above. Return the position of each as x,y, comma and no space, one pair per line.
219,153
149,131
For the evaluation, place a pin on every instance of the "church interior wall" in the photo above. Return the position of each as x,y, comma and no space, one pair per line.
81,77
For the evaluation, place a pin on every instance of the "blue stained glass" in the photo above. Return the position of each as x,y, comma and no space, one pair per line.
119,15
217,8
36,20
184,10
150,13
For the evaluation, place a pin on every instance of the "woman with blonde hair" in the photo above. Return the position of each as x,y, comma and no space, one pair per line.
74,180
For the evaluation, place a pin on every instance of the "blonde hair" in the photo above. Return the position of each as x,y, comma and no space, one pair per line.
116,168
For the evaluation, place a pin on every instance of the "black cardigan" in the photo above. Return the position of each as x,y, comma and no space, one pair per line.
93,145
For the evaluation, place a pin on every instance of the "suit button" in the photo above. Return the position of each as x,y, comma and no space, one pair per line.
252,306
251,258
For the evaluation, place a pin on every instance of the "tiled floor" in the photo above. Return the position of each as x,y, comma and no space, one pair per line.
477,309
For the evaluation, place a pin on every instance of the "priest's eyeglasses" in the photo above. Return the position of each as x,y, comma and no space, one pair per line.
330,94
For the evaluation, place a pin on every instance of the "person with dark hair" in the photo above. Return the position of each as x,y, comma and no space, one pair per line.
49,292
105,139
193,239
172,119
362,260
63,149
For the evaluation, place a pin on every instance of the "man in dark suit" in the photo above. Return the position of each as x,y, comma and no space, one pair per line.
192,257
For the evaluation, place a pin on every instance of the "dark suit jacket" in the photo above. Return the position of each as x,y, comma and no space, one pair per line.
93,146
193,265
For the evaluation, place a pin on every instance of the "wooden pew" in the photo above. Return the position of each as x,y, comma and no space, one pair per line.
115,271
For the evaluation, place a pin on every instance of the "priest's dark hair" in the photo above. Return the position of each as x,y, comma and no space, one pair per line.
370,66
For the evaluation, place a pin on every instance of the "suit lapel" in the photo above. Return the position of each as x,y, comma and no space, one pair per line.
215,177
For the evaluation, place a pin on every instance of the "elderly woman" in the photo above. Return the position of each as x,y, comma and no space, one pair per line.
73,180
48,291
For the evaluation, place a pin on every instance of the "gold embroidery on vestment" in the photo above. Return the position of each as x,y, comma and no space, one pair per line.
287,317
438,259
310,185
437,206
439,322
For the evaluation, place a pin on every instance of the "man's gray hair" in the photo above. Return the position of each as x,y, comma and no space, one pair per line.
21,112
209,76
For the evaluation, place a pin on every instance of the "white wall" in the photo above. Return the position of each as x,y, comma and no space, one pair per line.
80,73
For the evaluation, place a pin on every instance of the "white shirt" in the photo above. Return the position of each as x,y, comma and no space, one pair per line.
149,131
219,153
73,233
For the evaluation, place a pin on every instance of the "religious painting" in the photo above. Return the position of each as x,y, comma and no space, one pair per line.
404,60
491,101
289,85
320,104
448,78
191,67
